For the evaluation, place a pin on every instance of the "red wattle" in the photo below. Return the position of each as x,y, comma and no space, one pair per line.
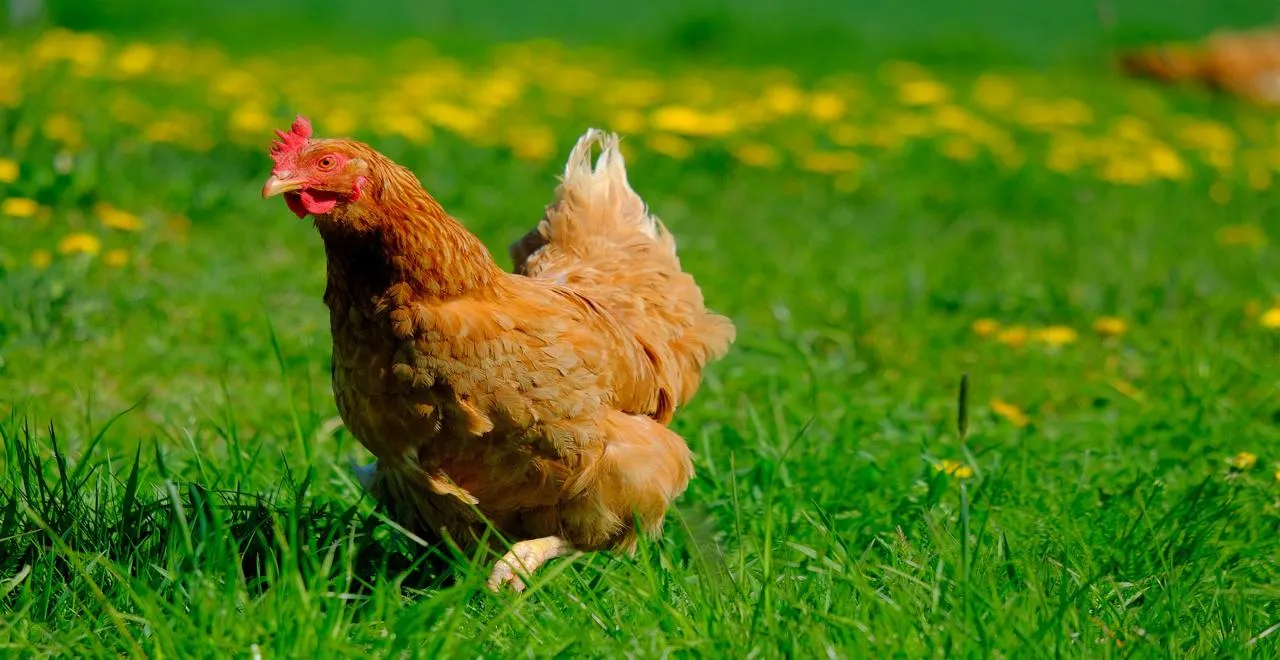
294,201
319,202
314,202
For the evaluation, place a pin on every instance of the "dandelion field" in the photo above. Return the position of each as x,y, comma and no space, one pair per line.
1094,253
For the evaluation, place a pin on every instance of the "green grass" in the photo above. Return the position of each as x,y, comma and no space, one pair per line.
172,483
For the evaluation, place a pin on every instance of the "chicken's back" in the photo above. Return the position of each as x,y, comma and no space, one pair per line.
599,239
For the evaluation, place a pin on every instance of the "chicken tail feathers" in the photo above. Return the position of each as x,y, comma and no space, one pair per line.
606,184
599,239
595,208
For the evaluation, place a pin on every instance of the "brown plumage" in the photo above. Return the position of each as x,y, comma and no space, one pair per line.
1244,63
538,399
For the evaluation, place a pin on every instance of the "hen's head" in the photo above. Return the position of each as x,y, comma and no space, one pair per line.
315,175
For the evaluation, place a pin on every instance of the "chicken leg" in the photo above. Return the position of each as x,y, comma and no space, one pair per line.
526,557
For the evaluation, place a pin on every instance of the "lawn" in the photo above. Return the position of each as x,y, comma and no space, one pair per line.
883,200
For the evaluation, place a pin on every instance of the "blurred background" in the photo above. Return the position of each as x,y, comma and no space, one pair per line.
134,143
827,33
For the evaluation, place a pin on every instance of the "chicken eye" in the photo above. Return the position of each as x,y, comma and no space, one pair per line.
328,163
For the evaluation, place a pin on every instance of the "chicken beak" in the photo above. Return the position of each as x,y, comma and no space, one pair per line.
276,185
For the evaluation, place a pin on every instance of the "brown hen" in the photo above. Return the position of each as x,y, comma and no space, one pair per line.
1245,63
536,401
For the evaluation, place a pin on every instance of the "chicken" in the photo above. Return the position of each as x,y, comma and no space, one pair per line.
537,402
1244,63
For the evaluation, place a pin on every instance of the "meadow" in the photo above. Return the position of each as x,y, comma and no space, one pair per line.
885,202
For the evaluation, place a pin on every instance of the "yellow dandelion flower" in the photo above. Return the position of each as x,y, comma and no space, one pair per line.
830,162
1241,235
1166,163
637,92
923,92
1277,475
1014,336
1221,160
79,242
993,92
958,120
340,121
1129,171
234,83
683,120
1052,114
41,259
533,143
8,171
86,52
757,155
826,107
1207,134
64,129
10,85
404,125
985,327
83,51
1131,129
573,80
1271,318
1110,326
19,207
116,258
954,468
1244,461
1010,412
250,119
180,128
783,99
460,120
113,218
670,145
1055,335
1063,160
628,122
136,59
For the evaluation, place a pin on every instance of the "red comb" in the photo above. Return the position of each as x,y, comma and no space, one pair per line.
284,151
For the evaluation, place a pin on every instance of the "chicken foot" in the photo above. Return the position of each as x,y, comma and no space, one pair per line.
527,557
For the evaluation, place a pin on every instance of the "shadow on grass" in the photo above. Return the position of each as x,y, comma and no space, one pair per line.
58,517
